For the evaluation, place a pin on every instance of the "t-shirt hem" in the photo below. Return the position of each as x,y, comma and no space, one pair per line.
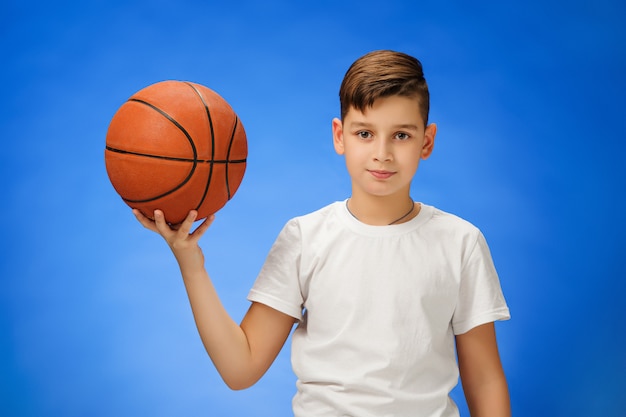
275,303
489,317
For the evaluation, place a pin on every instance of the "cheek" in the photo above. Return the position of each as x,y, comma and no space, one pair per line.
411,161
351,161
354,162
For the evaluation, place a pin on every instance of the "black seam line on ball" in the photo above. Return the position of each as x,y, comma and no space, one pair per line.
230,145
172,158
212,135
193,147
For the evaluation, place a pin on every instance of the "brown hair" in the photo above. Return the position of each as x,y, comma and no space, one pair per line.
382,74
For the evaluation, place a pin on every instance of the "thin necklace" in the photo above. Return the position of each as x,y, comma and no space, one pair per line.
393,222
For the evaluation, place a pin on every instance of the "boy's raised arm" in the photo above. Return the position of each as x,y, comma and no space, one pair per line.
241,353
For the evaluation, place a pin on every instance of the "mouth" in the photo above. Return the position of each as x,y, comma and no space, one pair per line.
380,174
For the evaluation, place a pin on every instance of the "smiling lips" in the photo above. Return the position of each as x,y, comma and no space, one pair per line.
381,175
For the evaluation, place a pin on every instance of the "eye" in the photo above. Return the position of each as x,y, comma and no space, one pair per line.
364,134
402,136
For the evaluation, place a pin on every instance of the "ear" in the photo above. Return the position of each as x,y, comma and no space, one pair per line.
429,140
338,136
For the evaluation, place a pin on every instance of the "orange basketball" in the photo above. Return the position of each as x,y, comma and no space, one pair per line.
176,146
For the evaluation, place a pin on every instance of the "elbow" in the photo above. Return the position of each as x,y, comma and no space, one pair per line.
239,374
237,386
239,382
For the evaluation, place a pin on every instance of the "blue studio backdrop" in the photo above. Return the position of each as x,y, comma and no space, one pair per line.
529,102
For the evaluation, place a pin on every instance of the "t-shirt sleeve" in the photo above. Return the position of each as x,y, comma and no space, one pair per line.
277,284
480,295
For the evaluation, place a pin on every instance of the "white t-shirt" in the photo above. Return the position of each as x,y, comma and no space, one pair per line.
379,307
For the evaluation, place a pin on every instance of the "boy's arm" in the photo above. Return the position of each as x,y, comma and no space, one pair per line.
482,375
243,353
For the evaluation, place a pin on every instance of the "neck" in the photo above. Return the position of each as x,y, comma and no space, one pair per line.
376,212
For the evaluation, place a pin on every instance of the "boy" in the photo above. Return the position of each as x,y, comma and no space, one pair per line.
382,288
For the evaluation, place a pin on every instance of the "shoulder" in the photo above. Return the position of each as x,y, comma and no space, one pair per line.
316,218
318,228
453,234
450,224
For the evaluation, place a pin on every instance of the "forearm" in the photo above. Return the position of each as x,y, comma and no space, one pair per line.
488,399
223,338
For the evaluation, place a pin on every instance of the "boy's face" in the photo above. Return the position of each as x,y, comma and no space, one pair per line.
383,145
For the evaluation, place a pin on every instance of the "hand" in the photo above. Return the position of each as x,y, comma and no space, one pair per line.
181,240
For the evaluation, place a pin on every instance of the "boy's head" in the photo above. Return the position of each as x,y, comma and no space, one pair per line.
382,74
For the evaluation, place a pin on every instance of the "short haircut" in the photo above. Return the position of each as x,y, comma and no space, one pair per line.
381,74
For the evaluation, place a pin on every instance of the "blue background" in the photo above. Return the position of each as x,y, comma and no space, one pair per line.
529,100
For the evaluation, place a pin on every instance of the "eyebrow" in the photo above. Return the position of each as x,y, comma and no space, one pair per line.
408,126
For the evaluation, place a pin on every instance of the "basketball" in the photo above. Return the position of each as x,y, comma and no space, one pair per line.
176,146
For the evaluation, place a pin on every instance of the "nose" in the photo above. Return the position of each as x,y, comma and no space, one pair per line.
382,151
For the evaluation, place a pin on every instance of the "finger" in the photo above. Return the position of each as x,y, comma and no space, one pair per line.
145,222
204,226
184,228
161,226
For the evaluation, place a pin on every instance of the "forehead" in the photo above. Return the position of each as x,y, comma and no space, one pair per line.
392,110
